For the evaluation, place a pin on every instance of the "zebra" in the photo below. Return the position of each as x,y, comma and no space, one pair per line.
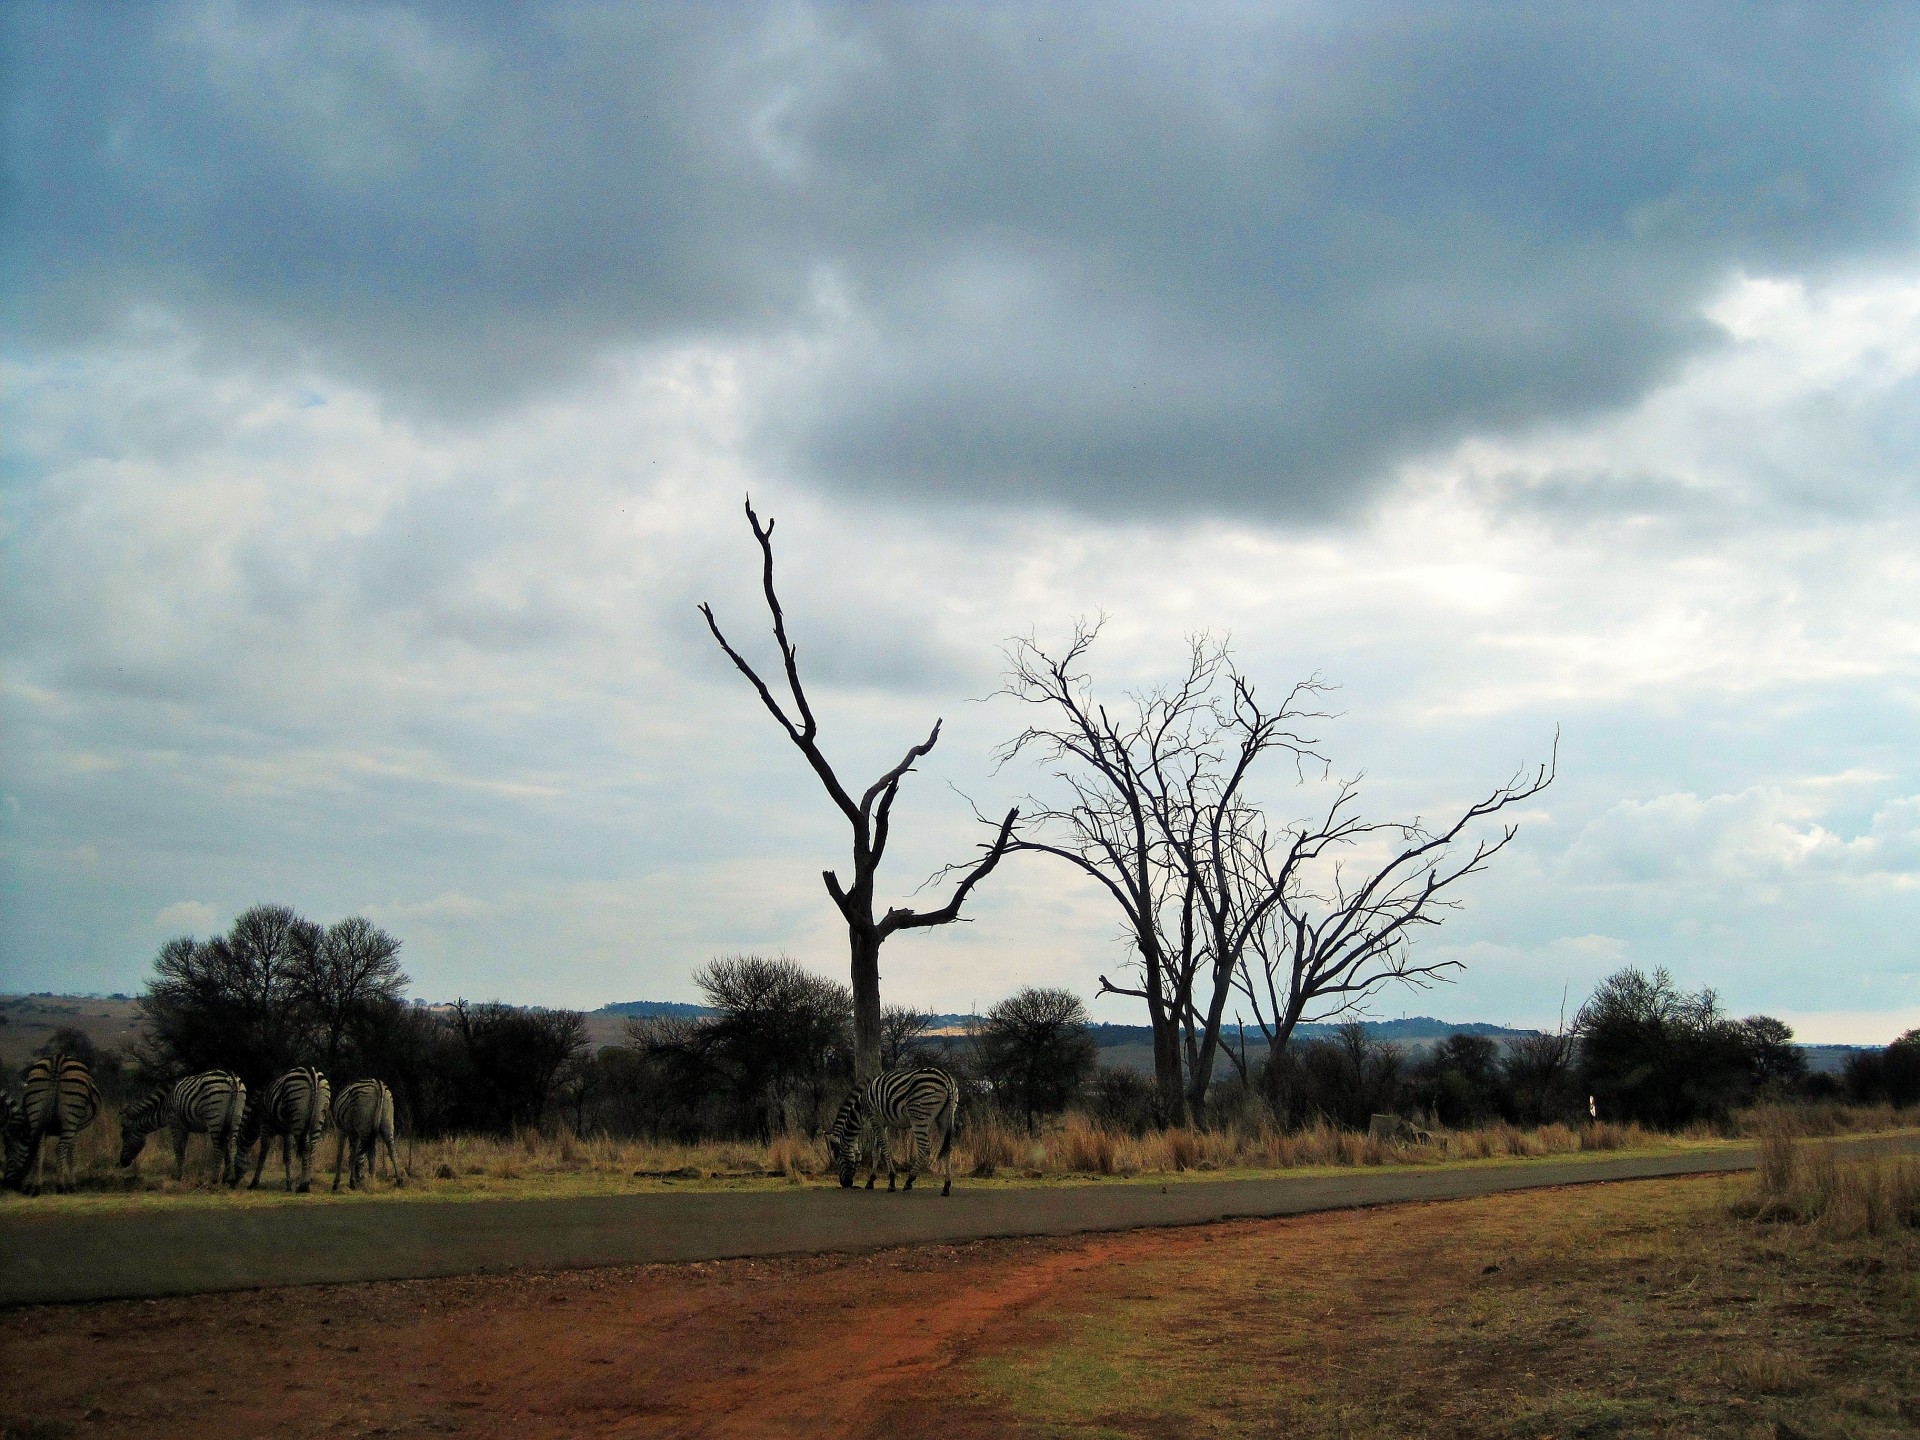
12,1132
363,1114
918,1101
213,1104
294,1108
61,1099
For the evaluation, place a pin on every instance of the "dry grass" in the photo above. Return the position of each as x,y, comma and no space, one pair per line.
1078,1146
1653,1308
1876,1195
1818,1119
1071,1148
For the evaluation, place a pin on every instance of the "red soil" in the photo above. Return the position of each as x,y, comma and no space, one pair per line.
836,1344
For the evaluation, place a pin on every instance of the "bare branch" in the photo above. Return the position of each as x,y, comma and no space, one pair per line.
903,919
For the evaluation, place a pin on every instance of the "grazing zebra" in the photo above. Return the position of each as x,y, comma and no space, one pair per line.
61,1099
918,1101
213,1104
294,1108
12,1133
363,1114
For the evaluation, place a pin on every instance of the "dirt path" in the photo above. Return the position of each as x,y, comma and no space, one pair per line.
738,1348
50,1255
906,1340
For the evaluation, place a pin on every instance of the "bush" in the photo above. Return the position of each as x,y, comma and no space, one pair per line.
1123,1100
1342,1081
1035,1051
1653,1054
1886,1077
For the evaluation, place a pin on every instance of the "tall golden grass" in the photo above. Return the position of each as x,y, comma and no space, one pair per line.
1876,1194
1073,1145
1818,1118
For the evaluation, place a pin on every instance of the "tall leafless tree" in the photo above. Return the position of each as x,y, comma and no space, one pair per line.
1156,808
1152,810
1330,936
870,817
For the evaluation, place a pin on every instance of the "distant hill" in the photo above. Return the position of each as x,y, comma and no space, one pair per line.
1418,1027
1411,1030
626,1008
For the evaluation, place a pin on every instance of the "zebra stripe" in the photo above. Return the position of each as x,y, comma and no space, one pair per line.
294,1108
61,1100
917,1101
363,1114
13,1133
213,1104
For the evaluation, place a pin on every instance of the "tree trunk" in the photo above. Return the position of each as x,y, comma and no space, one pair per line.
1202,1077
1166,1053
865,943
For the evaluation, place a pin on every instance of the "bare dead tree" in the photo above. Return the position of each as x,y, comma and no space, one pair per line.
1329,938
1212,827
870,817
1155,807
1106,824
1150,795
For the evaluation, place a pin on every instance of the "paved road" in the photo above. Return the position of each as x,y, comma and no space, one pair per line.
54,1257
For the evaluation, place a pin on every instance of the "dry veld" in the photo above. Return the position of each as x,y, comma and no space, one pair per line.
1073,1152
1070,1152
1783,1304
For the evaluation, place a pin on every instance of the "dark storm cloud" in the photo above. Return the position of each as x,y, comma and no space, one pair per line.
1131,259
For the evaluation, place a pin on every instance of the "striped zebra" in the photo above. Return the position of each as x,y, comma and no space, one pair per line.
917,1101
213,1104
60,1100
294,1108
12,1133
363,1114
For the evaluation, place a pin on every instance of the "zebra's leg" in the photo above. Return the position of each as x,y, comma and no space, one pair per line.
393,1164
339,1153
260,1163
179,1153
305,1151
36,1157
919,1151
64,1185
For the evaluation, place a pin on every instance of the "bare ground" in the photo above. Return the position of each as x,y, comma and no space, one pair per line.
1628,1309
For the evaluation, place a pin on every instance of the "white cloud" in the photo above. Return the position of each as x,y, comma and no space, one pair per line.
273,649
1762,834
185,917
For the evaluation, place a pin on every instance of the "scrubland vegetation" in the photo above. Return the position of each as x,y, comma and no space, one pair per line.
1783,1304
495,1099
1070,1148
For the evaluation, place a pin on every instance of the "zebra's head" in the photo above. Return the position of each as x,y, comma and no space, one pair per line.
843,1139
138,1122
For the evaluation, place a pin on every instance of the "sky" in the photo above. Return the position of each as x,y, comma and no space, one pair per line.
382,385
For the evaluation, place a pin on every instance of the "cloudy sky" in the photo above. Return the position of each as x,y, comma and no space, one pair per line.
382,385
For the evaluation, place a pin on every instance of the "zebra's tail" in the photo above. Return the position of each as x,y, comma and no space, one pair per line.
252,1121
949,1119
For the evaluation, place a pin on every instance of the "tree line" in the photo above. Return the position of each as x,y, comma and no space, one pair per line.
279,990
779,1048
